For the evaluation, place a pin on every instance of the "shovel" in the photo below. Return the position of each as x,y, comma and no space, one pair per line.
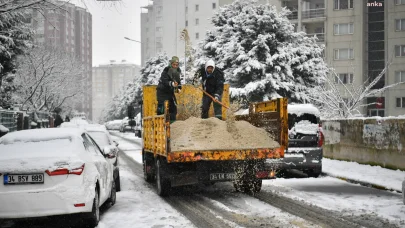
215,100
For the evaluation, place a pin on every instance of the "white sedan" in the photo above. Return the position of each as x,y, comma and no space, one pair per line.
53,171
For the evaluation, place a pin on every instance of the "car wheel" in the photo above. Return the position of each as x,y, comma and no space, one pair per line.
113,194
118,183
162,184
314,173
94,216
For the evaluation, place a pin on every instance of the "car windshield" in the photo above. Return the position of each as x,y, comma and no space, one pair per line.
293,119
101,138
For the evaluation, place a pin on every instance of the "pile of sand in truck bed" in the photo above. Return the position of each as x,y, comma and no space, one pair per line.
212,134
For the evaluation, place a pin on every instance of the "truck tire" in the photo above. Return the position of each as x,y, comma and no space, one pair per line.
162,183
149,177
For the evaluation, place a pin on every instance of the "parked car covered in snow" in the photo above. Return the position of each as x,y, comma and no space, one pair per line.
138,125
124,127
305,139
54,171
103,138
113,125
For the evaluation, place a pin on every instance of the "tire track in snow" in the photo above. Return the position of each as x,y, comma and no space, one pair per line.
187,204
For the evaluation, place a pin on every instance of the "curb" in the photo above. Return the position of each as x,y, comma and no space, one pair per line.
363,183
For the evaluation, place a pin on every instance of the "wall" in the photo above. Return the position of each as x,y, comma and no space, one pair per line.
367,141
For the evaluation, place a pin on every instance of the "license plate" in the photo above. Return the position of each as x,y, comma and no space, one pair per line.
23,179
222,176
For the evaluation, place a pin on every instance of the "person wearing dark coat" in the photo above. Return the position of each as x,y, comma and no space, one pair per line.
213,83
58,120
67,119
169,84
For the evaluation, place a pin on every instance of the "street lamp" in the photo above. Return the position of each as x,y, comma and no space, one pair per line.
132,40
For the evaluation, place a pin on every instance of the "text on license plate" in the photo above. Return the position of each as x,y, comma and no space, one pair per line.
222,176
24,179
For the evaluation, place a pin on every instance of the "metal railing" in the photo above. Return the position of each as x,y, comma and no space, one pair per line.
8,120
313,13
320,36
293,15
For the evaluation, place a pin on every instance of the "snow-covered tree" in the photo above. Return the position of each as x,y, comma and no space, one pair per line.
48,78
261,55
15,36
150,75
338,99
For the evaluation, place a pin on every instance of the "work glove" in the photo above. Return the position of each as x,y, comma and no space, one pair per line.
179,91
175,84
217,97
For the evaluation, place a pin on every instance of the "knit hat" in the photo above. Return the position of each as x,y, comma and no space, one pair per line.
174,59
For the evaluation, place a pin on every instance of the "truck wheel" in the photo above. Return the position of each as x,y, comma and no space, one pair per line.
162,183
147,176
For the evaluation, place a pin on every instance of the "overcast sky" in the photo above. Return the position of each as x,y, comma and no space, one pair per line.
111,23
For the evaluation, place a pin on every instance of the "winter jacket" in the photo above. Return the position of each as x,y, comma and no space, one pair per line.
165,90
58,120
213,84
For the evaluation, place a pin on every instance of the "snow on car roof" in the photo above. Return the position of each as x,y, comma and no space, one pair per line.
301,109
44,134
95,127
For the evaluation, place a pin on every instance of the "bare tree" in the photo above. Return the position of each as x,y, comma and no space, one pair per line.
337,99
48,78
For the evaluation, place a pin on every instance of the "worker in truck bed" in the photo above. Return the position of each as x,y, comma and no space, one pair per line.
213,83
169,83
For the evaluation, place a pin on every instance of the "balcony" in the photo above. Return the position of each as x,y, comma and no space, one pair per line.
293,15
320,36
313,13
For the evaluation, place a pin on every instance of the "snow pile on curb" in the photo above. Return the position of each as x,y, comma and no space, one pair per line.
213,134
390,179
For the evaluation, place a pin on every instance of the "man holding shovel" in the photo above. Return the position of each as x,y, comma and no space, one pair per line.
213,85
169,84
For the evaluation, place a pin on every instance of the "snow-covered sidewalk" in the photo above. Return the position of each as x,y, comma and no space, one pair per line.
374,175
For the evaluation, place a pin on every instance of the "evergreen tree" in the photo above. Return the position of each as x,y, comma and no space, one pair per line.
261,55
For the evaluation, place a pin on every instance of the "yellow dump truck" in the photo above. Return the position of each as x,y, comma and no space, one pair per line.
178,168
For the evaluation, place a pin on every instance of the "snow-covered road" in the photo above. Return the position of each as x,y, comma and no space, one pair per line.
325,192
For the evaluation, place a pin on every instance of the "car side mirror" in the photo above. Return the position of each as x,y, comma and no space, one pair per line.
108,152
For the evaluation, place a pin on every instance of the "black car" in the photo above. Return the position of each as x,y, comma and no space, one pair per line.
305,139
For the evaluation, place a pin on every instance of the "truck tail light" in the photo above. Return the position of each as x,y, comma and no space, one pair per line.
66,171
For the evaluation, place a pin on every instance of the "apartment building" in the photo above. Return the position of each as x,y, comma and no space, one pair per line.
162,22
109,80
68,28
361,37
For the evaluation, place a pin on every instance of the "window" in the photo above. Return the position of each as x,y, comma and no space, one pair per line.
346,78
186,23
214,5
186,9
197,8
399,2
159,18
158,39
197,21
197,36
158,29
342,29
400,25
376,112
400,76
343,4
400,102
343,54
399,50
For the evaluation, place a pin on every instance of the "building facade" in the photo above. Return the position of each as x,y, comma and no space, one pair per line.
70,29
108,81
162,22
361,38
